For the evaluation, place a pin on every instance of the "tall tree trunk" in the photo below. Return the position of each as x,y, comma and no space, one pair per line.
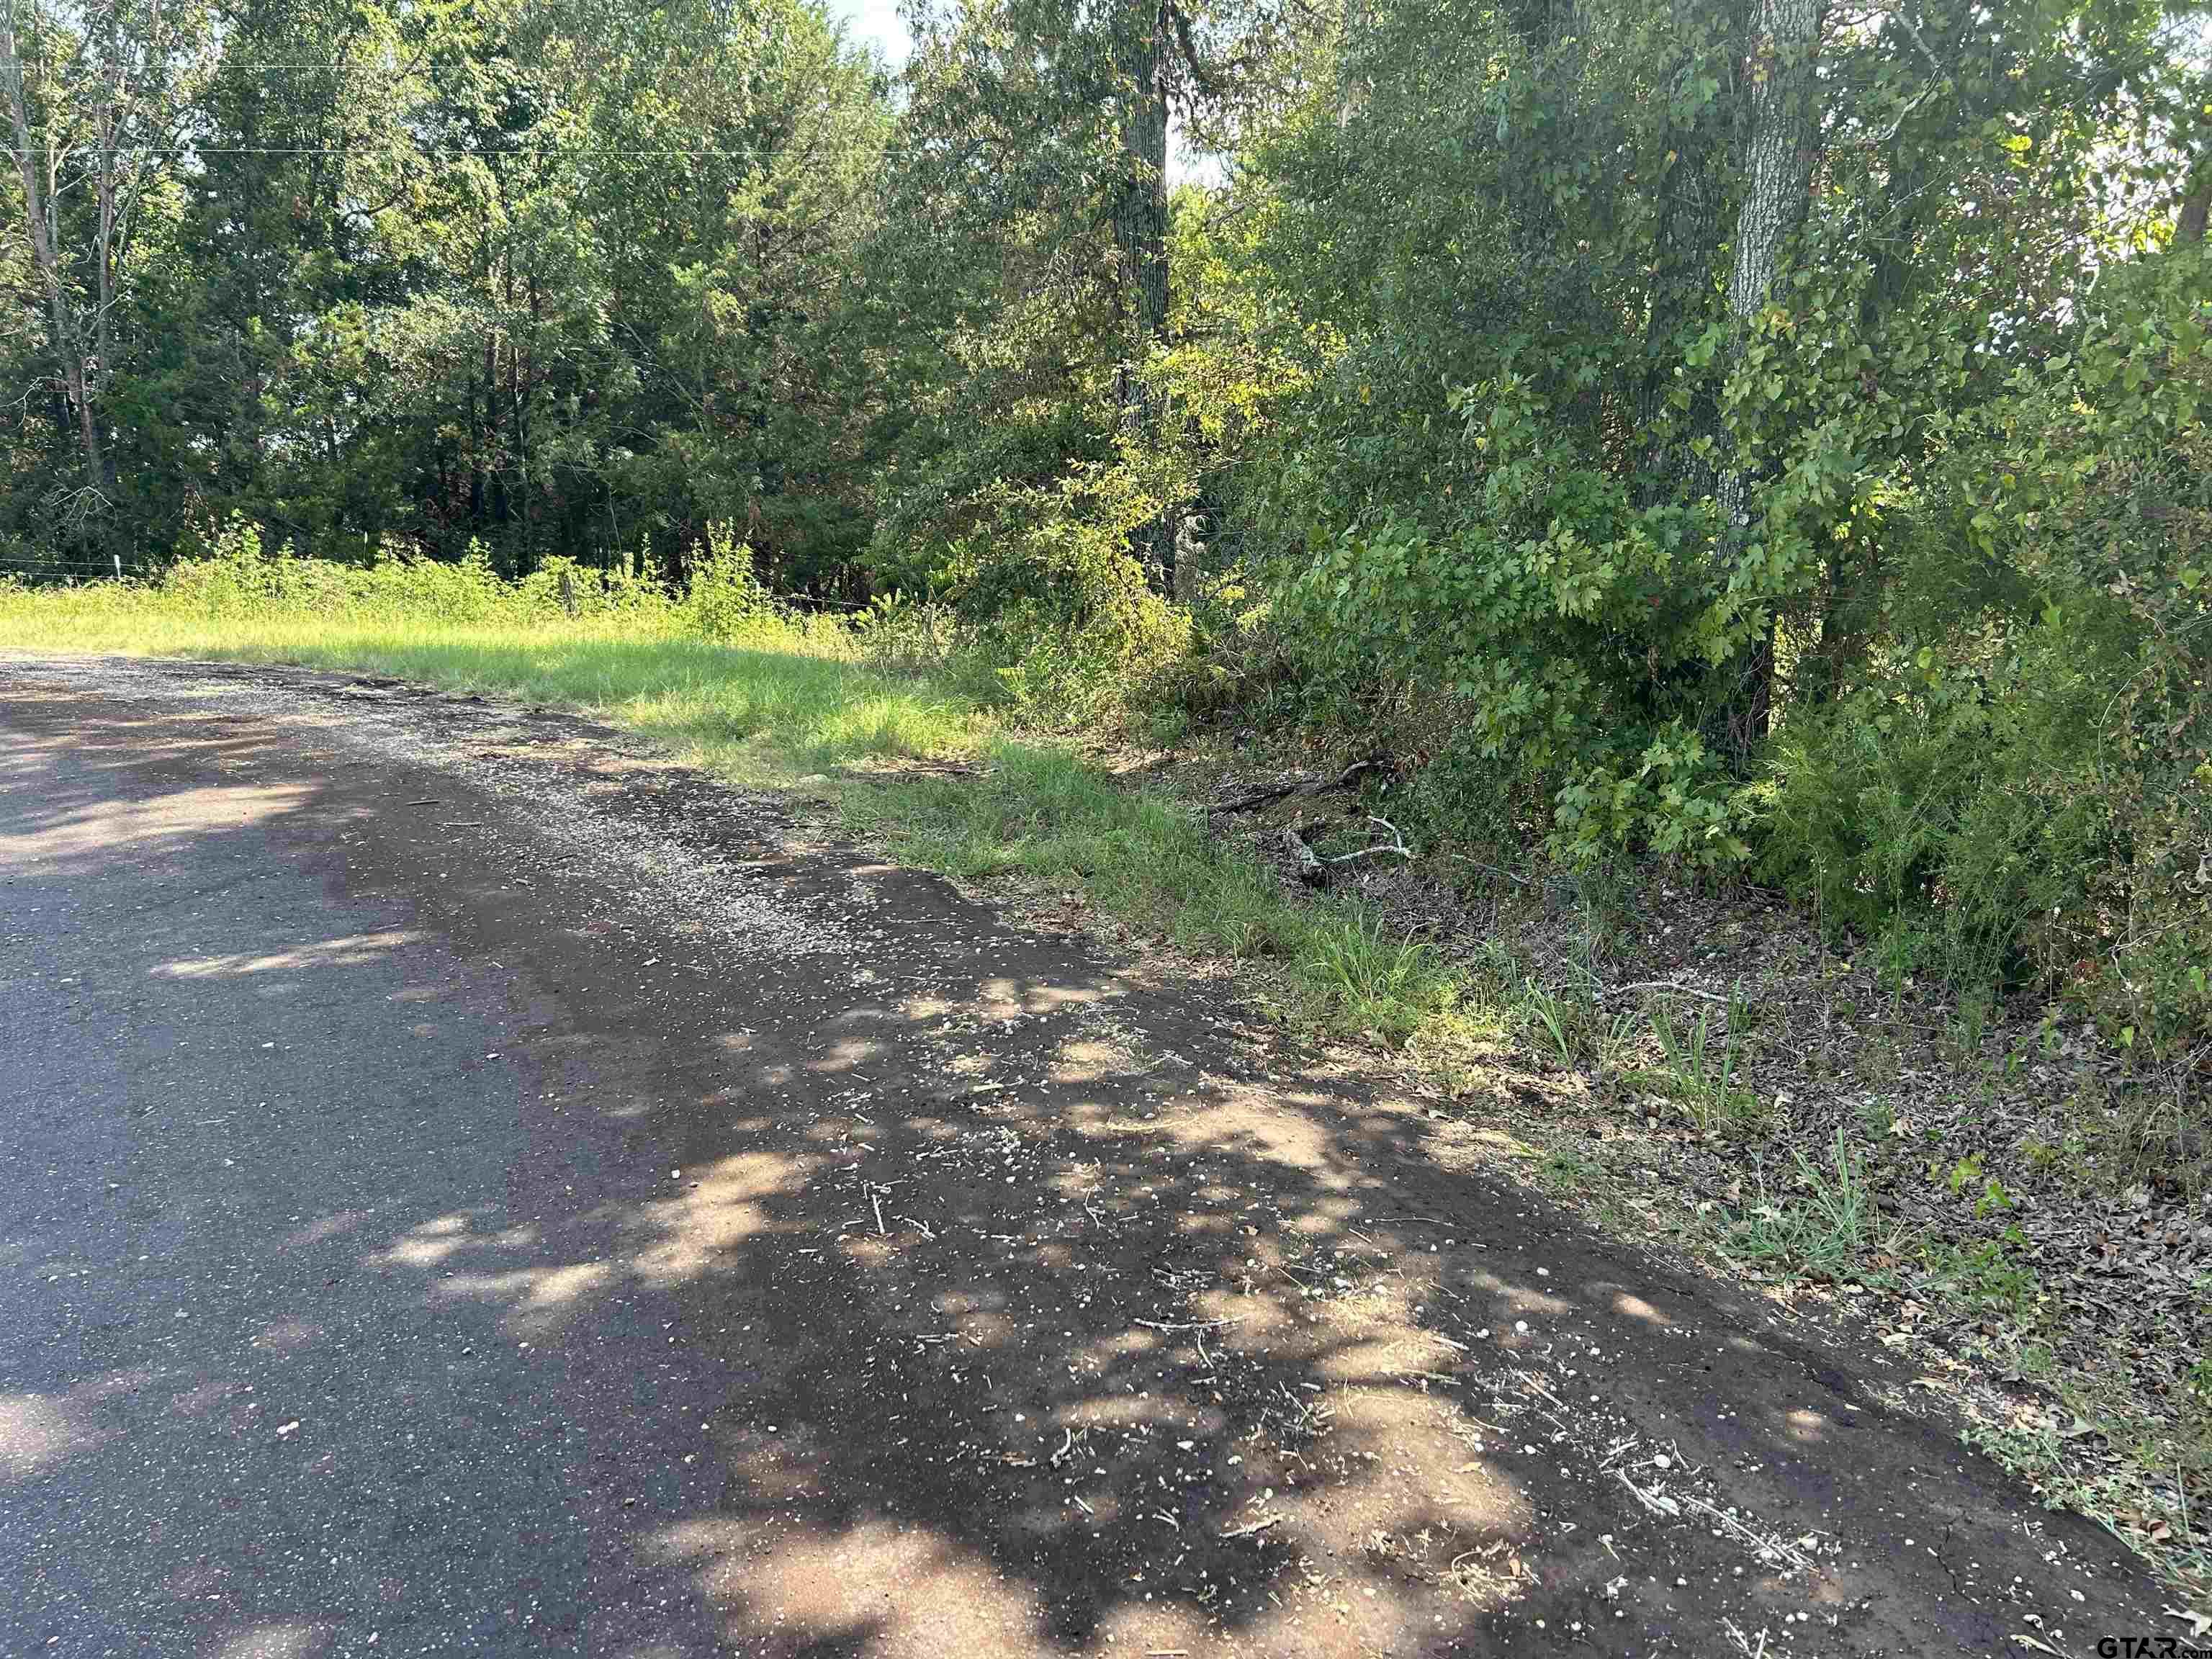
1779,151
2195,206
1778,167
1682,291
68,350
1141,236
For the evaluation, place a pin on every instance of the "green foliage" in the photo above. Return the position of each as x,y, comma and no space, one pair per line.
231,574
1560,1021
2015,789
1985,1275
545,283
1055,608
1378,981
722,597
1555,616
1704,1062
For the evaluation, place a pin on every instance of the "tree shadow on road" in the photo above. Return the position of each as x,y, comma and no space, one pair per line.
931,1287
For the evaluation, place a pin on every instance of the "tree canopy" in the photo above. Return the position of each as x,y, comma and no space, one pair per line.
1754,432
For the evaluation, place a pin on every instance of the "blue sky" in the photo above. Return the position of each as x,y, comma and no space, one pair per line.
874,23
877,23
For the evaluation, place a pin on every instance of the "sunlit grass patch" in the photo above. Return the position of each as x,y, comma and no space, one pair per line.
797,703
781,700
1040,812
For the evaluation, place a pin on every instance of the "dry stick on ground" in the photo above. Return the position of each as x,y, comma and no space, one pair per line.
1396,844
1768,1548
1313,869
1246,1531
1268,797
1658,985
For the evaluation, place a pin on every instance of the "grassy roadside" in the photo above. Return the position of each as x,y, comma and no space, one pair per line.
1754,1103
762,712
786,705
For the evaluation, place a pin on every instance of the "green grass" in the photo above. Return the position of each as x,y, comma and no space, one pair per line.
1825,1229
793,706
1703,1069
1040,812
764,711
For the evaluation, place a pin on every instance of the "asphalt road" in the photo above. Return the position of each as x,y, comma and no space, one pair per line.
467,1187
248,1119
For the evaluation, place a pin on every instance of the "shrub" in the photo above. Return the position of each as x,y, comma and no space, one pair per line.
1571,628
2014,787
723,599
1054,608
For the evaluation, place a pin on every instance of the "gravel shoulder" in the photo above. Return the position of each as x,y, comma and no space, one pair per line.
476,1184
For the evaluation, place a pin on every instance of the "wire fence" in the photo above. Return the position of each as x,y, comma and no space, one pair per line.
111,568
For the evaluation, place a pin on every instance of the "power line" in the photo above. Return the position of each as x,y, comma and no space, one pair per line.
350,149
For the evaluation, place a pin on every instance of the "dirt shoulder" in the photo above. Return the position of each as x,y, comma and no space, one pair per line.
1990,1190
1062,1309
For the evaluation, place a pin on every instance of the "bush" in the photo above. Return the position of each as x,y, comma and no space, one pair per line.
231,570
1054,610
723,599
2014,787
1571,628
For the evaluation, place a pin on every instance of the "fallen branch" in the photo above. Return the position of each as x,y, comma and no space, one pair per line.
1768,1548
1658,985
1657,1501
1310,869
1396,844
1268,797
1255,1527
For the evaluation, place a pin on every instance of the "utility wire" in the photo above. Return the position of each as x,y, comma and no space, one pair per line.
350,149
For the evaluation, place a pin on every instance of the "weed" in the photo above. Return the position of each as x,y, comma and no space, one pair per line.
1985,1274
1567,1169
1379,979
1703,1063
1968,1024
1968,1176
1552,1016
2200,1381
2042,1157
1875,1114
1616,1039
1825,1229
1742,1013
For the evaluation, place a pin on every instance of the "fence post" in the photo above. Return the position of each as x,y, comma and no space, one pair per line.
118,557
